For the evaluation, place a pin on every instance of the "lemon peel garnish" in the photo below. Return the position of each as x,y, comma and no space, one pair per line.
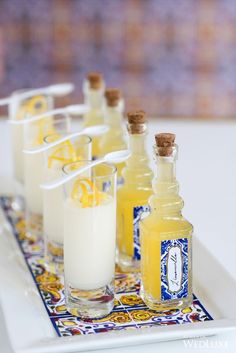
37,105
87,193
33,106
66,153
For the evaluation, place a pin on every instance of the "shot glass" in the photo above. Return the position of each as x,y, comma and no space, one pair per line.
71,150
90,240
20,109
34,133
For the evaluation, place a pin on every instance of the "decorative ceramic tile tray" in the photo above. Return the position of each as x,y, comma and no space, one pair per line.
130,322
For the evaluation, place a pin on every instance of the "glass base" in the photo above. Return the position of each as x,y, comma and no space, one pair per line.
165,305
17,203
128,263
54,259
34,224
90,304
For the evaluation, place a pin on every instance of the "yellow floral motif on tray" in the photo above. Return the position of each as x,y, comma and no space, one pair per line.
131,300
69,323
23,235
36,247
186,311
55,250
47,277
20,226
119,317
142,315
61,308
116,302
53,289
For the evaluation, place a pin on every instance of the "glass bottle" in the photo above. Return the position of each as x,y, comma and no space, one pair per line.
166,237
94,98
114,139
132,197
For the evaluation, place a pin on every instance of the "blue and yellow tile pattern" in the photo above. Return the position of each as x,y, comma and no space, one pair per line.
129,312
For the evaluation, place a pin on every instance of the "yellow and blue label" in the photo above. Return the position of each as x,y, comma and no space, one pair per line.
174,269
139,212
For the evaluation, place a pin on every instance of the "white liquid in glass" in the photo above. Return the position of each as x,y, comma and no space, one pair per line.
34,173
53,207
89,244
17,147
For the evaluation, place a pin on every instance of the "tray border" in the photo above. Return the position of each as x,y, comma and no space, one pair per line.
51,343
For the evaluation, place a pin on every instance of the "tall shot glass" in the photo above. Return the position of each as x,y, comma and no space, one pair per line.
90,240
34,133
71,150
20,109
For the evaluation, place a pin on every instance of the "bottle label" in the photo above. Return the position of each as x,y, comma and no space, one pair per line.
139,212
174,269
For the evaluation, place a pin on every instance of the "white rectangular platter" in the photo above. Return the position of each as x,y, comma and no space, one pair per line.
30,329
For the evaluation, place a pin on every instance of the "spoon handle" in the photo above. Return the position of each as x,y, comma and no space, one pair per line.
66,88
65,178
38,117
52,144
5,101
59,89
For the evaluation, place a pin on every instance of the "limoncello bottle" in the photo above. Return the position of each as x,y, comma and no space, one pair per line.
114,139
132,197
166,237
93,90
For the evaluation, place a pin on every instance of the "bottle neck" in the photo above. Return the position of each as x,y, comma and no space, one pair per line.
166,201
113,116
166,169
94,98
137,172
165,183
137,144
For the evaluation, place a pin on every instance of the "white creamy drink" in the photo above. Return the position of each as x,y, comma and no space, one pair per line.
34,173
21,110
89,244
17,147
53,206
17,111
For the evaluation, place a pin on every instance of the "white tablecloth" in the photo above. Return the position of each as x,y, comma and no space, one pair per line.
206,170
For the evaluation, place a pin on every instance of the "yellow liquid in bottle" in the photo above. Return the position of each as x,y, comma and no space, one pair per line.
164,223
130,197
114,139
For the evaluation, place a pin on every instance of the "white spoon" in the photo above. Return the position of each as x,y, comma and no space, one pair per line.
77,109
91,131
5,101
112,157
57,90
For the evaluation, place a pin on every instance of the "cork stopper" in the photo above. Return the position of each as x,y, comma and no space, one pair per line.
113,96
95,80
137,122
165,143
138,117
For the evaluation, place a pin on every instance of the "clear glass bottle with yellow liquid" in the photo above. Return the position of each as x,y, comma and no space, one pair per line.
166,237
132,197
114,139
93,89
